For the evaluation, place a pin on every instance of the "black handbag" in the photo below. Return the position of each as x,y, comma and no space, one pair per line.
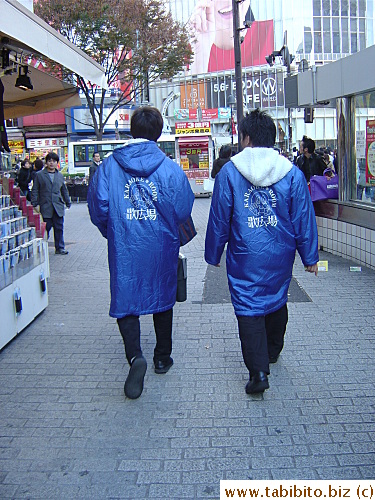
181,294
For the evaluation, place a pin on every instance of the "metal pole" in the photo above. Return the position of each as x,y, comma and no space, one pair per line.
231,124
237,62
287,57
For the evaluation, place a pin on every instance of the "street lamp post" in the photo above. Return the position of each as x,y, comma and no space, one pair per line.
287,58
231,101
237,61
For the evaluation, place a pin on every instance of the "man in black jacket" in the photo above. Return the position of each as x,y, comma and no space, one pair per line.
224,156
51,194
308,161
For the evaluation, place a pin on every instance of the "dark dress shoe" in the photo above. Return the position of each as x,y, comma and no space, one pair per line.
273,359
134,383
257,383
61,251
163,366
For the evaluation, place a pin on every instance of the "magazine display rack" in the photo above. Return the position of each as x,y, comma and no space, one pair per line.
24,265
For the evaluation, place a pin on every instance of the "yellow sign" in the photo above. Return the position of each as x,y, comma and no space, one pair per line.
185,163
17,146
323,265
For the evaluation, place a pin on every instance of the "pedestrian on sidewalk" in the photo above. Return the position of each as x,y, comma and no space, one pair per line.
262,208
96,162
51,194
224,155
138,198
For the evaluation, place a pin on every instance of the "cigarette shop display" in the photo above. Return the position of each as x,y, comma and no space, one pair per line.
24,266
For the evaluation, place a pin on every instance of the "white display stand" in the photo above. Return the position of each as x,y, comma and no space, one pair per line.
34,301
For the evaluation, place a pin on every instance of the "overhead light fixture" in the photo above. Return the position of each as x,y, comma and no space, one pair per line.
23,81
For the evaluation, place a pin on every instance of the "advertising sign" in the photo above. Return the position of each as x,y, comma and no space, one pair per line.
82,121
370,151
261,89
46,143
211,23
16,146
193,128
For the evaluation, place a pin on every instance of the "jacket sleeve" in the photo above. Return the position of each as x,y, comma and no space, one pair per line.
303,220
219,220
35,192
98,199
183,204
65,195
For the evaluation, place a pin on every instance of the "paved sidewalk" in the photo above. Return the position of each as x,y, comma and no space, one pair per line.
67,431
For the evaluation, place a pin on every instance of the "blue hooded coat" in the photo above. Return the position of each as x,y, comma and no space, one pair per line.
261,207
137,198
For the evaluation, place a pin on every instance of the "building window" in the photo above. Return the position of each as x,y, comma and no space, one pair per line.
326,7
317,8
344,8
353,40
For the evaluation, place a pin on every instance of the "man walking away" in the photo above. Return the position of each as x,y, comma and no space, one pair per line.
262,208
51,194
137,199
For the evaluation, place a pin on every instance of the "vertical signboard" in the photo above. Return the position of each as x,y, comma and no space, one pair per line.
370,152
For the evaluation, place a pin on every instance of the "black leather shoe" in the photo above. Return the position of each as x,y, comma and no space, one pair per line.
273,359
257,383
134,383
163,367
61,251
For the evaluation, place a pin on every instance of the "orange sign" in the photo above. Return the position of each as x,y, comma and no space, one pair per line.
192,95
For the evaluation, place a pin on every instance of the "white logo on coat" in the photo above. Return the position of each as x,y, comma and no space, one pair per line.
261,203
141,194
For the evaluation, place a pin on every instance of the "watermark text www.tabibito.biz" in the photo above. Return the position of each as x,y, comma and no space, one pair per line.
359,490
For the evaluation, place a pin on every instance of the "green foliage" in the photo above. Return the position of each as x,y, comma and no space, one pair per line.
136,41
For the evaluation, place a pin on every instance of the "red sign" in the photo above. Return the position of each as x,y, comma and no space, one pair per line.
207,114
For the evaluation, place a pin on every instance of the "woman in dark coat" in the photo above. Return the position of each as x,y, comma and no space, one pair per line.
224,155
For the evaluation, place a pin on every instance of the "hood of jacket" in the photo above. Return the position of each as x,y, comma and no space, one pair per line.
262,166
139,157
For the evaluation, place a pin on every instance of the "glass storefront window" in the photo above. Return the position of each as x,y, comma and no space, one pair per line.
364,188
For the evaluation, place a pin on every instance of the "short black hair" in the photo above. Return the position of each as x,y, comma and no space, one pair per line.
260,128
52,156
95,153
38,164
146,123
309,144
225,151
23,162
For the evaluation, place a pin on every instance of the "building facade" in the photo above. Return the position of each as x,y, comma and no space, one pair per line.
315,31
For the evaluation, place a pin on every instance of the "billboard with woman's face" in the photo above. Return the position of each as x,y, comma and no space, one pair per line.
212,29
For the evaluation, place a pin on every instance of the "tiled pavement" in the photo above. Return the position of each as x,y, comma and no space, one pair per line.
67,431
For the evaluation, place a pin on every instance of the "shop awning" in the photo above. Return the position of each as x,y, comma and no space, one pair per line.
30,33
25,33
186,139
48,94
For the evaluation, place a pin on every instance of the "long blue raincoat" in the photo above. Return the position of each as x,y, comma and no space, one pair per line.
137,198
262,208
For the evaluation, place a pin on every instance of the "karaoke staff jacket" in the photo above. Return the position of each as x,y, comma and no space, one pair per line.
138,198
262,208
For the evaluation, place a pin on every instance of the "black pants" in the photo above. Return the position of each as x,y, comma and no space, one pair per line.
131,334
262,337
58,230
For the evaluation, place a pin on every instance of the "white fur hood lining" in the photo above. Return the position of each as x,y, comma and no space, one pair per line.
262,166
